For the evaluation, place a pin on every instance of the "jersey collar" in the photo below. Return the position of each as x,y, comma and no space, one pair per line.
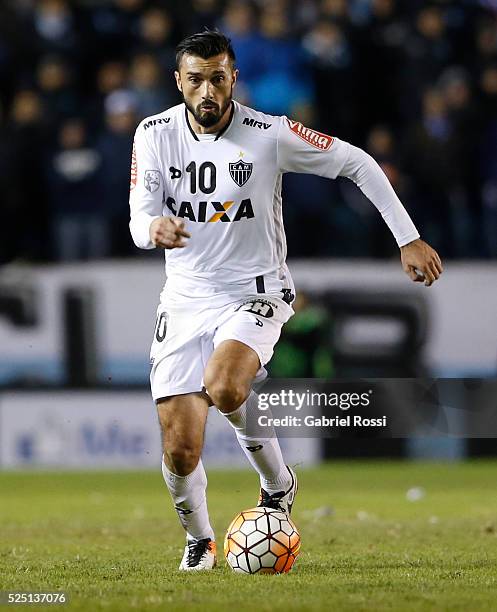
219,134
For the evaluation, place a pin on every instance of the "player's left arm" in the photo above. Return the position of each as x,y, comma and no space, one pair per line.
419,260
300,149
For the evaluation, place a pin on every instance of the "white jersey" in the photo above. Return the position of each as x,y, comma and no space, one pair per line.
227,188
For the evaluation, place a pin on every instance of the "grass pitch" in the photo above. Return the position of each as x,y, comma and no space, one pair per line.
112,540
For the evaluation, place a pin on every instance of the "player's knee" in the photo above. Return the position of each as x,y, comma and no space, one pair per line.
181,460
227,394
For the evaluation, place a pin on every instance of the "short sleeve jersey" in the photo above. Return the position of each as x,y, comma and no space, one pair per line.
227,189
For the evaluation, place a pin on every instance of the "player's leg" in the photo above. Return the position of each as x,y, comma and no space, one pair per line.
228,379
182,420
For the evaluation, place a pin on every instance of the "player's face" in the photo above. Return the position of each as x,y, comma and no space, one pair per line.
207,86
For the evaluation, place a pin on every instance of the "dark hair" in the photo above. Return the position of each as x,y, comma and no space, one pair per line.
205,44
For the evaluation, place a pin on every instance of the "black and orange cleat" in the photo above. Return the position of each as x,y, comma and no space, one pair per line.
281,500
199,555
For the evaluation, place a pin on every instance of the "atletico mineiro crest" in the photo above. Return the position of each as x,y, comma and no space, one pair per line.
240,172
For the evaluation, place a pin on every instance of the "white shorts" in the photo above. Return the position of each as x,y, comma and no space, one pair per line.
185,338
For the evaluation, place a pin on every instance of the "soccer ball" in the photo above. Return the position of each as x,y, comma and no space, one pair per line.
261,540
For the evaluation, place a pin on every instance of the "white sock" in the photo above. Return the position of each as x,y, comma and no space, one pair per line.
190,502
263,452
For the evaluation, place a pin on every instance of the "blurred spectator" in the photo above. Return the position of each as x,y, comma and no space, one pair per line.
22,147
336,11
430,161
146,80
456,88
491,4
380,143
305,14
313,229
488,159
54,83
486,42
111,76
114,26
327,46
202,14
114,146
489,194
16,51
55,24
488,94
239,23
156,37
283,82
79,221
428,51
330,56
382,42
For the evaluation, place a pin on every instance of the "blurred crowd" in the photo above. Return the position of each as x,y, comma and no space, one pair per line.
413,83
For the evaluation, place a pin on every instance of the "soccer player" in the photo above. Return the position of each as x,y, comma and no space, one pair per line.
206,187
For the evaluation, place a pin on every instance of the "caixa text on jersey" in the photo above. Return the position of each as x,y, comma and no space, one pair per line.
211,212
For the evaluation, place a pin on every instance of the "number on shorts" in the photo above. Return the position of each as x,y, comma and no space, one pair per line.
161,328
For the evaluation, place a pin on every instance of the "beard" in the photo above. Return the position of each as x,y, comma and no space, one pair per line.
209,118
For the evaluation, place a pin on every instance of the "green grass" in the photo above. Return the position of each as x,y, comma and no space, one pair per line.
112,541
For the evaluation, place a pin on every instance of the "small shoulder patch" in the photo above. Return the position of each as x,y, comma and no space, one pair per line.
317,139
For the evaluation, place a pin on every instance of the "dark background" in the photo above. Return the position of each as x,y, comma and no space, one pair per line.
414,83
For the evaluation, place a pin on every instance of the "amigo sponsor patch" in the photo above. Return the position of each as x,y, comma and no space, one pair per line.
134,169
317,139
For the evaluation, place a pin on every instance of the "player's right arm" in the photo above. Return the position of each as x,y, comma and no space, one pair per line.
148,227
168,233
